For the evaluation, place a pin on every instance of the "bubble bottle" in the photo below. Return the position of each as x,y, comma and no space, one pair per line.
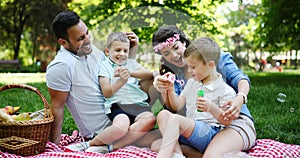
200,94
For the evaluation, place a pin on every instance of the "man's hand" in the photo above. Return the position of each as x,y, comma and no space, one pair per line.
134,42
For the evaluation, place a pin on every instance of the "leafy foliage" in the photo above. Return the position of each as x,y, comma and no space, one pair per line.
33,17
282,24
144,17
258,25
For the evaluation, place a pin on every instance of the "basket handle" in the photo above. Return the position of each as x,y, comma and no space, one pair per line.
24,86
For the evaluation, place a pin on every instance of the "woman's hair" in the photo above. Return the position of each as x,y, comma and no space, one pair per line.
62,22
161,35
168,31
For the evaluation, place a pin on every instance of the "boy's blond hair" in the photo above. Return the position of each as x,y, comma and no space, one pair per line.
116,36
204,49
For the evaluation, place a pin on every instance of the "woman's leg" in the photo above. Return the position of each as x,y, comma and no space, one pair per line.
225,141
240,135
117,130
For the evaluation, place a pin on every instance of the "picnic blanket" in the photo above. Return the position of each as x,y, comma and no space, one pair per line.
263,148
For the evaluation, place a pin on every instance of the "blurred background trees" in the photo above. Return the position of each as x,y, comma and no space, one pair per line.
250,29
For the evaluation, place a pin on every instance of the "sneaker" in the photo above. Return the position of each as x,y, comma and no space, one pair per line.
82,146
100,149
176,155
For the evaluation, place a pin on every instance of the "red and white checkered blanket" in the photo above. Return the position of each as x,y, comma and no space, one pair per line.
59,151
264,148
273,149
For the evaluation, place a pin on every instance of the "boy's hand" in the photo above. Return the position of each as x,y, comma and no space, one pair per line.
162,83
203,104
122,72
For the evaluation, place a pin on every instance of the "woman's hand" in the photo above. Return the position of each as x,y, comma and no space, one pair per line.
232,108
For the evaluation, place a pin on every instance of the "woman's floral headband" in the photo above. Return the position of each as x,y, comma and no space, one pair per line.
167,43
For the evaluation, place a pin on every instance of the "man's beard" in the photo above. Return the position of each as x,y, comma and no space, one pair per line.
84,49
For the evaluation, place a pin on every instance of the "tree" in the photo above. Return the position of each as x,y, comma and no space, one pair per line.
240,31
144,17
281,27
23,15
148,14
13,23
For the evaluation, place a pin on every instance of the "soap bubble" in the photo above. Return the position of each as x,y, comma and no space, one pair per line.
281,97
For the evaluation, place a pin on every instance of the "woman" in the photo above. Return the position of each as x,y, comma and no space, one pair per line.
171,42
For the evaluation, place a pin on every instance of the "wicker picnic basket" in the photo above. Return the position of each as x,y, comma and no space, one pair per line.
26,138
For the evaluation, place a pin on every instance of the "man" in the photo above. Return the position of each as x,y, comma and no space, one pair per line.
72,77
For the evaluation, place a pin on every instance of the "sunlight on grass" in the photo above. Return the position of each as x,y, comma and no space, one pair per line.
21,78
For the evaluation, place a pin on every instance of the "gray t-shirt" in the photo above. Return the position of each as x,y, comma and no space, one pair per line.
79,76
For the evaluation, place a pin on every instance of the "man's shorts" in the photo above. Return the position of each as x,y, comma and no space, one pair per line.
245,127
202,135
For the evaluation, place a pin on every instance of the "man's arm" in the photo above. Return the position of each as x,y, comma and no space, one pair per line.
58,100
134,42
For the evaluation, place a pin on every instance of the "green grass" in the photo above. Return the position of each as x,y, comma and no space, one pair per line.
273,119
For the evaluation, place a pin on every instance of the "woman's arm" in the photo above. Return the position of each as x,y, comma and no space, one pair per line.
239,81
237,102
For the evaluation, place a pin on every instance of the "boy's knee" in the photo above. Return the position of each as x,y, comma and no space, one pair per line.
163,117
146,118
121,121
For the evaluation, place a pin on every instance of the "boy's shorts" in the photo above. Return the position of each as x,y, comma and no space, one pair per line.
245,127
131,110
201,136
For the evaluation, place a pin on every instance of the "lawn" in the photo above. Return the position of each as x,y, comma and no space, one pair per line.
276,117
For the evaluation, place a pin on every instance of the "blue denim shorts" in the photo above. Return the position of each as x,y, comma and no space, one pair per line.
201,136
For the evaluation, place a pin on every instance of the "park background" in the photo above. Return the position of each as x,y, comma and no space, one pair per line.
258,33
